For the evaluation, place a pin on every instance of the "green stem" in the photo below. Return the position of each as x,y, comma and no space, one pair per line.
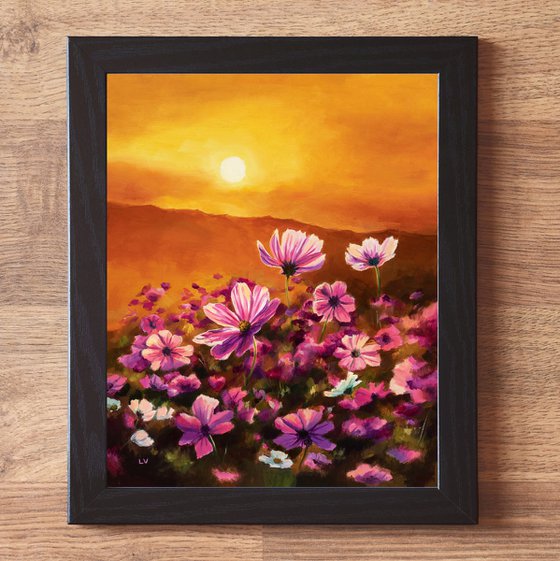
323,332
213,443
287,291
378,281
254,363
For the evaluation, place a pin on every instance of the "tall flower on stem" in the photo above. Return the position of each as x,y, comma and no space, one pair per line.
371,255
331,301
199,427
163,351
251,310
294,253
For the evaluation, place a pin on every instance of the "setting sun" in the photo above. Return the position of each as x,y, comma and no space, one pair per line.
232,169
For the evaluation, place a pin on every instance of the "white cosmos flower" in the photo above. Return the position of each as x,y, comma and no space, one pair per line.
142,438
163,413
277,459
113,404
344,386
143,408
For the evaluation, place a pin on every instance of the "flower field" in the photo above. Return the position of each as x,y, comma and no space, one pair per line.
306,385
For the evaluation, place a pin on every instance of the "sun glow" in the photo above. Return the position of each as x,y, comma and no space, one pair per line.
233,169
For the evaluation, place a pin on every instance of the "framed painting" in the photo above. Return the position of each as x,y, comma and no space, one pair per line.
272,280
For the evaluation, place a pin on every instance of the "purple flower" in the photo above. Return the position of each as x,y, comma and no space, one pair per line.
389,338
371,253
251,310
182,384
316,461
295,253
115,383
404,455
216,382
302,429
149,324
135,361
370,475
198,428
153,382
373,428
331,301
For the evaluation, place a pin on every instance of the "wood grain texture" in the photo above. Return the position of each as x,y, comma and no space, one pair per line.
519,256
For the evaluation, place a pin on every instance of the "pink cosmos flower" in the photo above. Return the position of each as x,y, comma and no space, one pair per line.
389,338
295,253
371,253
225,476
251,310
365,396
302,429
114,462
316,461
409,412
182,384
424,330
164,351
370,475
115,383
404,455
331,301
414,377
357,352
151,323
199,427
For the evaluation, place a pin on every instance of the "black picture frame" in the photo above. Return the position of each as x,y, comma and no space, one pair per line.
454,500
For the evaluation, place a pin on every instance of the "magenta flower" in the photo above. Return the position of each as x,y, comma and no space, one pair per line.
164,351
115,383
153,382
302,429
198,428
225,476
251,310
365,396
182,384
373,428
216,382
135,361
149,324
371,253
404,455
357,352
331,301
389,338
370,475
295,253
114,462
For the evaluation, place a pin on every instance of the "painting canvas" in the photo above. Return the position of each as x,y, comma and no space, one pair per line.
272,280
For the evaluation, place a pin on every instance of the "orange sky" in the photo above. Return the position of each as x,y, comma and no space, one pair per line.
341,151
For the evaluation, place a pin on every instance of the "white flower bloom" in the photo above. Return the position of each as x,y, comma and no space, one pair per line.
277,459
344,386
163,413
142,438
143,408
113,404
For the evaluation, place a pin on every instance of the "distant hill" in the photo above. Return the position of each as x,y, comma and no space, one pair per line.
147,244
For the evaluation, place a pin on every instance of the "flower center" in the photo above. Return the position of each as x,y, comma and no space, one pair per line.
386,338
205,430
334,301
356,353
374,261
244,326
289,269
305,438
277,460
166,351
